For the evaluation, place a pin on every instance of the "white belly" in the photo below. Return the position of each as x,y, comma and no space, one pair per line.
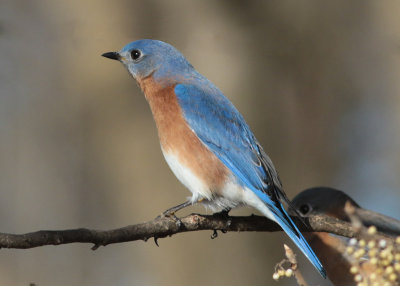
231,195
198,188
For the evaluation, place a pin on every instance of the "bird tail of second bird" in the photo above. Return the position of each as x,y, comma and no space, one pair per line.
287,224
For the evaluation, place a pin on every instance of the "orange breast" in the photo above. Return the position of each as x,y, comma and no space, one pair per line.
176,136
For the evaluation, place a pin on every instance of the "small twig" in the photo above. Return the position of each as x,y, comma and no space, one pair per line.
358,225
294,266
350,210
385,224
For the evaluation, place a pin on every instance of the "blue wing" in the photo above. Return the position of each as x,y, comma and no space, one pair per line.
223,130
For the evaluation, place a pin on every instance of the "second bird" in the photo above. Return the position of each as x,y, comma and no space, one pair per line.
205,140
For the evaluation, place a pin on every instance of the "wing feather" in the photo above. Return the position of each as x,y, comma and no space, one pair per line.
223,130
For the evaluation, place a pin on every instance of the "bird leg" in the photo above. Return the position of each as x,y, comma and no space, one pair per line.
173,210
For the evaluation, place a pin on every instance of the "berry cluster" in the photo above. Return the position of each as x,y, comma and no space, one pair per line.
375,261
282,272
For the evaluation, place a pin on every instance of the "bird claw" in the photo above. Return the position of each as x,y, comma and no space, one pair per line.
156,241
222,214
170,215
177,220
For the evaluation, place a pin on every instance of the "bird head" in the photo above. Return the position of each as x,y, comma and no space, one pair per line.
323,200
144,58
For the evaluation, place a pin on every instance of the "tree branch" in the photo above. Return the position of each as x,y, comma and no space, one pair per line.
168,226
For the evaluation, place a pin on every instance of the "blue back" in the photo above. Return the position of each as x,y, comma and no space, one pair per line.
222,129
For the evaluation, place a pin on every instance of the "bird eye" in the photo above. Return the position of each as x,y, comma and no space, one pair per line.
135,54
305,209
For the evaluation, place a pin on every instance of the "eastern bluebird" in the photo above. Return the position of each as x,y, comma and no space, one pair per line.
330,249
331,202
205,140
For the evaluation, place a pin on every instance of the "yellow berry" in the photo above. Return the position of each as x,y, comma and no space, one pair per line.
353,269
374,260
350,250
362,243
361,284
398,240
389,270
393,277
385,262
288,272
360,252
397,266
371,244
397,256
275,276
358,278
383,254
372,252
281,272
372,230
372,276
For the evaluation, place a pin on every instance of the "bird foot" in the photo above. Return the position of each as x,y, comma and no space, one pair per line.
171,215
222,214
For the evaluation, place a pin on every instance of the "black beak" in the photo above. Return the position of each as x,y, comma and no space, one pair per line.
112,55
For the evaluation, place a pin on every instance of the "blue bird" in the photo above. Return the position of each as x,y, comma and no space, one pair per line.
205,140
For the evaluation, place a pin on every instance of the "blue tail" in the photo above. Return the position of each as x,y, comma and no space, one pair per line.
287,224
283,219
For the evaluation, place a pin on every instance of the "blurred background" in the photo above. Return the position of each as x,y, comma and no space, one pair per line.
318,82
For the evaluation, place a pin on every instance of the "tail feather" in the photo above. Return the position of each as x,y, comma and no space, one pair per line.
287,224
270,205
